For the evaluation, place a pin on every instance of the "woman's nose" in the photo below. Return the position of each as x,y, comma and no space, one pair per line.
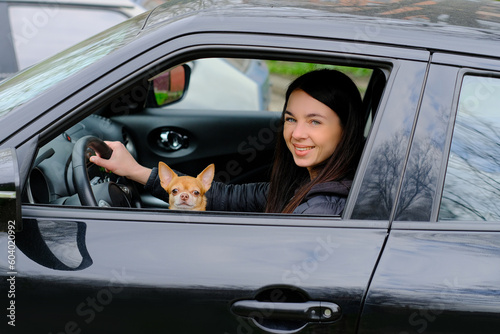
299,131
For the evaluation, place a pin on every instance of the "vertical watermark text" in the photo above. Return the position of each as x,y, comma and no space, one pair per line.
11,273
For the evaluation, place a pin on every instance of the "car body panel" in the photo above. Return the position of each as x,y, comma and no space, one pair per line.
201,262
458,269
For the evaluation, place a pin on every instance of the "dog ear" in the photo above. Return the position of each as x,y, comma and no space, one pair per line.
166,174
207,176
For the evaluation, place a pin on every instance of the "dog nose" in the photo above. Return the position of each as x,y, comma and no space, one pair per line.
184,196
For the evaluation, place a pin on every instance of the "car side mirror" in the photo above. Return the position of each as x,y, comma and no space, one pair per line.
168,87
10,195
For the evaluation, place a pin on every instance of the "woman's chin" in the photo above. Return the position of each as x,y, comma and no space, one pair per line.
301,162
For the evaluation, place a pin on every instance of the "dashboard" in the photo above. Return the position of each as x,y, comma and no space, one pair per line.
51,178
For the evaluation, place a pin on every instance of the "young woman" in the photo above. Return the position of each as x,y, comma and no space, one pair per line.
316,156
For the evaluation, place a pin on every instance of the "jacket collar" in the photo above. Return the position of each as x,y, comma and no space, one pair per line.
337,188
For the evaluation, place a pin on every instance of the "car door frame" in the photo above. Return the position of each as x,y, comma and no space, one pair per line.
105,223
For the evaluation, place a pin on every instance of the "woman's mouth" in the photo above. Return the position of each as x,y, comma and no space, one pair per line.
302,150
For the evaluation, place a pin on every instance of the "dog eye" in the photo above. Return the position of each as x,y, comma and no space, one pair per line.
174,191
196,192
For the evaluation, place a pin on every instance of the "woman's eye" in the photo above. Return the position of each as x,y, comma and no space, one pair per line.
289,119
314,122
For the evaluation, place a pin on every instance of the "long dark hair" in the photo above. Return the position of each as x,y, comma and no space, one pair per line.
290,183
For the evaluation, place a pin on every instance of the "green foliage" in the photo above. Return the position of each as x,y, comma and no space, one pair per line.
165,97
295,69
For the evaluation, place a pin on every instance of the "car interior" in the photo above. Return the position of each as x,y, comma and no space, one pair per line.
223,111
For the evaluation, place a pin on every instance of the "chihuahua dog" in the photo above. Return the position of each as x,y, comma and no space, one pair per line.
186,192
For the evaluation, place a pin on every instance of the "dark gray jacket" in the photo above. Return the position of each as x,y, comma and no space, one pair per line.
324,199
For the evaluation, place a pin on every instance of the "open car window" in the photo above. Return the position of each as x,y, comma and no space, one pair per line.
221,111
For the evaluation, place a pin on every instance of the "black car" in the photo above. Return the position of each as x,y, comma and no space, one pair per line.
416,250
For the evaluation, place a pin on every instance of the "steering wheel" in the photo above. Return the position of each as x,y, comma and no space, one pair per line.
108,193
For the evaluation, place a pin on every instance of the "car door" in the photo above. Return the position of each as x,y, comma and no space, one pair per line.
439,270
141,271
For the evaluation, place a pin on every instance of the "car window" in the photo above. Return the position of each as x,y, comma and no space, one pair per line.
34,28
249,84
227,84
472,186
190,134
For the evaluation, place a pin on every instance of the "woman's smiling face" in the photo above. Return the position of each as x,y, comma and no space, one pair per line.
312,130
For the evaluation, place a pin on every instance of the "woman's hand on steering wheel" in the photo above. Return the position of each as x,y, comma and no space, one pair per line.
122,163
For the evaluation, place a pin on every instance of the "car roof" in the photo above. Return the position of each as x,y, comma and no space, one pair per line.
457,26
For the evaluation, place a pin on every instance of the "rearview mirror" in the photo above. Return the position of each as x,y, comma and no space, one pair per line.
169,86
10,204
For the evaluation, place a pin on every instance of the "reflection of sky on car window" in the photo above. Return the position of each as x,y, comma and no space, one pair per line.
472,188
478,122
480,96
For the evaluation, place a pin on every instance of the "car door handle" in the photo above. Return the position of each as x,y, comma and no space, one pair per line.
306,312
172,140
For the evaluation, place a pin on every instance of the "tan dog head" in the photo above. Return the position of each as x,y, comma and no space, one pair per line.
186,192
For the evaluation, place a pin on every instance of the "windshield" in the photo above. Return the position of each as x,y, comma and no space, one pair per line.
35,80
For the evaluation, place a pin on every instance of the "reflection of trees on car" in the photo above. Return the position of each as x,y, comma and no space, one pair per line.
420,175
385,177
472,185
385,173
